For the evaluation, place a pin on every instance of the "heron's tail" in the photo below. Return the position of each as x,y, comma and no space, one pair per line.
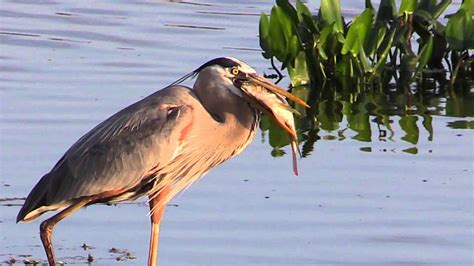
34,202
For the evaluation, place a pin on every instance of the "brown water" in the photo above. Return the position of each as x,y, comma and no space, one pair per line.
65,66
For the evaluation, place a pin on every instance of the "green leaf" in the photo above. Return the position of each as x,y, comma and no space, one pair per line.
425,15
265,123
368,4
302,92
263,36
400,32
299,73
364,60
292,50
425,55
460,31
302,9
441,7
305,16
428,125
277,152
386,11
358,32
343,67
432,8
380,37
278,137
359,122
286,23
408,125
357,64
289,10
412,150
375,39
329,115
468,6
277,40
426,5
321,41
330,12
385,49
407,6
408,63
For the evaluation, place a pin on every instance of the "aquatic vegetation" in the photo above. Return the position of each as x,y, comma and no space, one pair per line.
405,61
374,48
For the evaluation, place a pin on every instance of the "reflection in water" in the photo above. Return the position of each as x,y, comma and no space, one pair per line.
379,115
461,124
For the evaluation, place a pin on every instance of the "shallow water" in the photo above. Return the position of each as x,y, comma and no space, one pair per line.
67,66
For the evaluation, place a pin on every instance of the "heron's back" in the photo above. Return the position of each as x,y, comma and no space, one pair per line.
116,154
166,139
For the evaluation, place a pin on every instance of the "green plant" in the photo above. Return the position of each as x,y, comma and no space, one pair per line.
359,73
374,48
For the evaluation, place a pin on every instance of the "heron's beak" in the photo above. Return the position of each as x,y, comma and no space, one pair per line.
261,81
268,98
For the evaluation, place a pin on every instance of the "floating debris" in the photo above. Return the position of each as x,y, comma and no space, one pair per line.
31,261
86,246
124,254
10,260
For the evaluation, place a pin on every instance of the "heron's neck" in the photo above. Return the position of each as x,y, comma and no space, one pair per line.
235,116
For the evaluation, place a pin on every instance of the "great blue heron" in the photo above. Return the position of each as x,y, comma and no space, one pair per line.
160,145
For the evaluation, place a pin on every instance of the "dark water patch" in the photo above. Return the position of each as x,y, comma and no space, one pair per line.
126,48
96,36
35,43
417,240
194,27
12,202
19,34
196,3
226,13
126,65
64,14
12,69
68,40
59,18
247,49
99,11
129,72
52,121
34,2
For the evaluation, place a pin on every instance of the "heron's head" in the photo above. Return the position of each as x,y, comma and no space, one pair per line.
229,76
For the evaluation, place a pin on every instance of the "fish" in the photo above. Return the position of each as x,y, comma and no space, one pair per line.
278,108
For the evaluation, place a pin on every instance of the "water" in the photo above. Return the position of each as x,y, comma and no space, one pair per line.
406,198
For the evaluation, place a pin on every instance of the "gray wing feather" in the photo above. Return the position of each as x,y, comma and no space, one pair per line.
119,151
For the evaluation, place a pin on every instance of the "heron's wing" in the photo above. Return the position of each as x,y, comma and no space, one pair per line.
118,152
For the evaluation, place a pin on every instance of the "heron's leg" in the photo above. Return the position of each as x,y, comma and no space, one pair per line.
155,216
46,227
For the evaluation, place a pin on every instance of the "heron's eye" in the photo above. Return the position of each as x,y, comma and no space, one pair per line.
235,71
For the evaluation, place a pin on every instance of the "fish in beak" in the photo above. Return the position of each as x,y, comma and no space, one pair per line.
269,98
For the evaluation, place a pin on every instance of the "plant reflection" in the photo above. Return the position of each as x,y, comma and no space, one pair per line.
392,114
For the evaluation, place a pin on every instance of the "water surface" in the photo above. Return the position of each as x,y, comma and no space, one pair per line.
358,200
